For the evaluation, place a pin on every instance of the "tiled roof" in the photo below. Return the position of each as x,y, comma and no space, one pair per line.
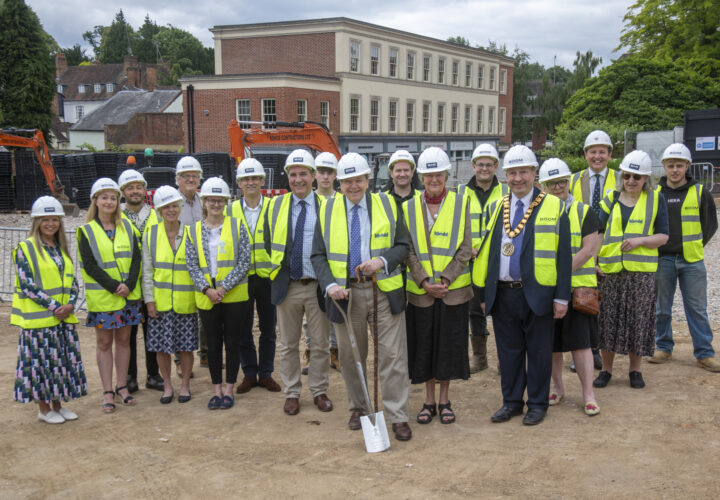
124,105
89,75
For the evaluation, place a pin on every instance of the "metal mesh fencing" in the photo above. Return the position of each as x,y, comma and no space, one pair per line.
703,173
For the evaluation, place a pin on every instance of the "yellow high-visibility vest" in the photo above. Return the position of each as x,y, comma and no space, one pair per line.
259,258
692,235
641,223
334,227
229,236
576,185
114,257
446,236
585,275
151,221
173,289
279,221
26,313
476,209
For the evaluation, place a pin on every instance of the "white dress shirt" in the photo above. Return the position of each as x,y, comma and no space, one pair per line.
505,260
593,180
252,214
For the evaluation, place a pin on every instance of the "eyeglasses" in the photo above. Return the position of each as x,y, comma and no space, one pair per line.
637,177
558,183
485,165
215,201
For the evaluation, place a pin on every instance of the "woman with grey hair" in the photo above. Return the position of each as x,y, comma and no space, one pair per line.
635,224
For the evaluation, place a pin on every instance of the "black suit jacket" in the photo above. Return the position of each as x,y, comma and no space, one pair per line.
539,297
395,256
279,285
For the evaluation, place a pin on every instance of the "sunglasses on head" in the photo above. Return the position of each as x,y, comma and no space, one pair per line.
627,176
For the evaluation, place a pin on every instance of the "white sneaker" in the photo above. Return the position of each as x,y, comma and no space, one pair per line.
67,414
51,417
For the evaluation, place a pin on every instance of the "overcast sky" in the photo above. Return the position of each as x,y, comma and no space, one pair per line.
543,28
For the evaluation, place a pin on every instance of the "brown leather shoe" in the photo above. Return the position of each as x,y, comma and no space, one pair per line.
292,406
354,423
323,402
246,384
269,384
402,431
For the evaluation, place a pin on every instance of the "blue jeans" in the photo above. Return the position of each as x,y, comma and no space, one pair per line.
693,285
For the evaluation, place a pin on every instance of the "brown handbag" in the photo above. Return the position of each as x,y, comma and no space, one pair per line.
586,300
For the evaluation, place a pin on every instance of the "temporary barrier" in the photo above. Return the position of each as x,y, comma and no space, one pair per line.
703,173
9,239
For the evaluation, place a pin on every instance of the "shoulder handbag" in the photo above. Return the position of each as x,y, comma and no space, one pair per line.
586,300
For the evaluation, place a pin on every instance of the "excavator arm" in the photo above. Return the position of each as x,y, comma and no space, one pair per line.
37,143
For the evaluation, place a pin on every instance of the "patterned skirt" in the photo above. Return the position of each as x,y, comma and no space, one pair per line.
627,313
49,366
129,315
171,332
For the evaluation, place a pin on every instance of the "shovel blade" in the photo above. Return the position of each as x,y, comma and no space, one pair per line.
375,432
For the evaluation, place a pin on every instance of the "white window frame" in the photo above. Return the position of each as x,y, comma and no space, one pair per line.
59,88
468,74
503,81
441,70
410,65
354,113
374,60
82,88
410,116
79,112
468,118
426,67
454,111
242,116
265,103
97,88
392,115
110,87
492,79
325,113
491,120
441,117
481,76
354,57
375,114
393,62
502,115
455,72
302,110
479,119
426,117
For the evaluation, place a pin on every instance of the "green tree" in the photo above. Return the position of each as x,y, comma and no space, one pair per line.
525,71
569,138
27,73
115,41
495,47
75,55
145,47
459,40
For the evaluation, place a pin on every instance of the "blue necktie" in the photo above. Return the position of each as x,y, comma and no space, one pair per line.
355,259
597,195
296,257
517,242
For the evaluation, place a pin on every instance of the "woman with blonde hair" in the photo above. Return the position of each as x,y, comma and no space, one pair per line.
109,249
49,368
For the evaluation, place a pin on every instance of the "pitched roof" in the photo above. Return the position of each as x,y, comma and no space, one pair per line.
103,74
124,105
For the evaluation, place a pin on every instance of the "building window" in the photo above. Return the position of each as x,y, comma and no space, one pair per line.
426,117
268,112
426,68
481,76
411,66
468,74
325,113
410,116
354,55
59,89
455,71
392,116
503,81
501,122
393,62
441,118
468,114
454,118
441,71
374,59
243,112
79,112
374,112
97,88
492,79
480,113
302,110
354,114
491,120
82,88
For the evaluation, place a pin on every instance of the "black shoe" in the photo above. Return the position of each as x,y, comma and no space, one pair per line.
132,385
155,382
167,399
597,359
602,379
534,416
184,399
636,380
505,413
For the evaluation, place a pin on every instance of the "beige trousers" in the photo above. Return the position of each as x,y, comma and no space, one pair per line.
302,300
392,354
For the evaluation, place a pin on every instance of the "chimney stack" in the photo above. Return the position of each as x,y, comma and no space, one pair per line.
60,64
132,71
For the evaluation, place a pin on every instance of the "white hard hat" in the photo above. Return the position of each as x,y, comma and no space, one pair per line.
164,195
677,151
637,162
129,176
598,138
485,151
187,164
215,186
553,168
47,206
432,160
102,184
249,167
327,160
519,156
401,155
352,165
300,157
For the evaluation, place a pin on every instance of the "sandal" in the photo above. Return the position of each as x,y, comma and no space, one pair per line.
129,400
591,408
446,418
108,407
555,398
426,414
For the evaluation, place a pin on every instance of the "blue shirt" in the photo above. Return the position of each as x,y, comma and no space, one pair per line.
309,230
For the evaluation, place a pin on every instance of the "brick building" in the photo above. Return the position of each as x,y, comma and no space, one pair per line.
377,89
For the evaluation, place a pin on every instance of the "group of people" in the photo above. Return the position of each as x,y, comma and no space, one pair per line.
423,267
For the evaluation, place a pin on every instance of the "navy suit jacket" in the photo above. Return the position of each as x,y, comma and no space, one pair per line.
539,297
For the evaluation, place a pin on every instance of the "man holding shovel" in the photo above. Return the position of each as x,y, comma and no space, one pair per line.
360,230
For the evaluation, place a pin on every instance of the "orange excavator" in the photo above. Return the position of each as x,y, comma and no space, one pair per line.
36,141
311,135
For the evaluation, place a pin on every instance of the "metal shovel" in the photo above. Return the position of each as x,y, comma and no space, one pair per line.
373,425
